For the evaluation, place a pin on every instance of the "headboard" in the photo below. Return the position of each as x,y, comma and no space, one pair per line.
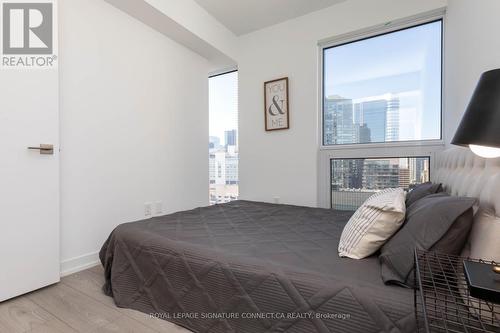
464,174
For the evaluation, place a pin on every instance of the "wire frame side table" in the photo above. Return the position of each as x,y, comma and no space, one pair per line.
442,300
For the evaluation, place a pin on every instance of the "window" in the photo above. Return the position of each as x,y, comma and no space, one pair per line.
384,88
353,180
223,138
380,109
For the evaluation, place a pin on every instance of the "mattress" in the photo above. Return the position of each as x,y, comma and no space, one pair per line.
251,267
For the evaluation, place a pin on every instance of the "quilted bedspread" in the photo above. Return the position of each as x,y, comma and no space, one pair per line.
251,267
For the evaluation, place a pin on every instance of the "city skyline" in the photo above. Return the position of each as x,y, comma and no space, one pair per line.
366,173
223,138
223,168
219,142
354,180
405,64
374,119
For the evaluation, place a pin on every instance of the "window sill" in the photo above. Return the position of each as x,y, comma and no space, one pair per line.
385,145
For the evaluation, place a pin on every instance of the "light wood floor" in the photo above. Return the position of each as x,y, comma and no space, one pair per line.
76,304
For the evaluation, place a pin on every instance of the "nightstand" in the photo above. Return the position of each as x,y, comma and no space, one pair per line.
442,300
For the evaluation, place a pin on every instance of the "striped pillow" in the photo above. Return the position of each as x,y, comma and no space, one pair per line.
373,224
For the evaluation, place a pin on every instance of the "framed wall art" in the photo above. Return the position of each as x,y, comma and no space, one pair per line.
276,104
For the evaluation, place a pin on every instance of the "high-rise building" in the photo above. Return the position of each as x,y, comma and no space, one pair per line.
217,167
362,133
338,121
341,172
425,174
412,166
404,178
372,114
380,173
374,120
211,168
419,170
377,120
231,169
392,125
230,137
223,174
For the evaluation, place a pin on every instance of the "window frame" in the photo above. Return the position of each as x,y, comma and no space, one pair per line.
368,33
217,168
416,148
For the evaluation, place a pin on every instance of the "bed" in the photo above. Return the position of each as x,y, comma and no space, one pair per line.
259,267
251,267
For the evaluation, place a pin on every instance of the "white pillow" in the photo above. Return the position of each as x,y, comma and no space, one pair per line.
373,224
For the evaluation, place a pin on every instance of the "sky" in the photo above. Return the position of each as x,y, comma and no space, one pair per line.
406,64
223,104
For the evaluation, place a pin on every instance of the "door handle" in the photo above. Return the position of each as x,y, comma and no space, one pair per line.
45,149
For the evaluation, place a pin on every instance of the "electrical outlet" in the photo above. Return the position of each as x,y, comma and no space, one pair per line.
158,208
276,200
148,209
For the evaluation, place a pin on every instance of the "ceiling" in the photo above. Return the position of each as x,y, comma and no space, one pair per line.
244,16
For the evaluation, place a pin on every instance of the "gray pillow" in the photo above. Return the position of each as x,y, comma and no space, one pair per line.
422,190
456,237
427,224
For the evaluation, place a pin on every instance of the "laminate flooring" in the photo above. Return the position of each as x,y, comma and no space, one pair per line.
76,304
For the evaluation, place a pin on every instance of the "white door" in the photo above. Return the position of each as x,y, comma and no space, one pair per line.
29,180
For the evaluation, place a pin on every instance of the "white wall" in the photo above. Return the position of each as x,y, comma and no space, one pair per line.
284,163
472,47
134,121
134,125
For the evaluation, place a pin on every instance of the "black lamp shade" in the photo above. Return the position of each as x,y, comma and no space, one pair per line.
481,122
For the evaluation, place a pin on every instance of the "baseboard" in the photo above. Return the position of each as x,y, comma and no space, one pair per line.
80,263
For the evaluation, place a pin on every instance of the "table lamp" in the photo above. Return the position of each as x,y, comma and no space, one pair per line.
480,126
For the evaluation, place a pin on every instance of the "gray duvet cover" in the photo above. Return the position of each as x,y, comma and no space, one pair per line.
251,267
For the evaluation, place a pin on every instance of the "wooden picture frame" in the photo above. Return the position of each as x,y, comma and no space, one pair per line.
276,110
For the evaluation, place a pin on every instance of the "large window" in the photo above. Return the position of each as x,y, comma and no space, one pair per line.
380,109
353,180
385,88
223,138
